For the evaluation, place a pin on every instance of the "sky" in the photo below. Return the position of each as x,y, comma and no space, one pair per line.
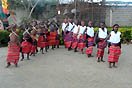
98,0
121,0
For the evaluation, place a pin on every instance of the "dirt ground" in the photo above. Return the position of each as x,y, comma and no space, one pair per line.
60,68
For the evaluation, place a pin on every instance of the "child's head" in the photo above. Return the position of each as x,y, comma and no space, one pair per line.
82,23
115,27
65,20
102,24
90,23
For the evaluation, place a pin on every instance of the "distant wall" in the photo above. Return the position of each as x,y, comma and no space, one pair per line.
119,15
114,15
19,15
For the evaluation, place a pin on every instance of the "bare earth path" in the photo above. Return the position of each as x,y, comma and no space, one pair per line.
60,68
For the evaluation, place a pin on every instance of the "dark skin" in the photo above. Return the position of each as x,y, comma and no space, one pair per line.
27,54
82,24
102,27
26,34
115,30
76,22
57,35
71,21
45,30
52,29
13,37
90,25
41,31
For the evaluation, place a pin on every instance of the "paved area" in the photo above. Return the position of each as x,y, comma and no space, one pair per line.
60,68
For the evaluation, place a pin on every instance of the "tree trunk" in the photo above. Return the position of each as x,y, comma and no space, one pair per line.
33,9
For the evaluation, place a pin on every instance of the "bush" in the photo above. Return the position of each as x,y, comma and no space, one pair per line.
4,37
126,32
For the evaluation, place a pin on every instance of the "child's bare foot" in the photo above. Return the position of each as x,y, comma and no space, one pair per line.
8,65
110,66
115,66
16,65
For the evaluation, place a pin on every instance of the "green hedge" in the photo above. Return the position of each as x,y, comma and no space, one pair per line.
126,32
4,38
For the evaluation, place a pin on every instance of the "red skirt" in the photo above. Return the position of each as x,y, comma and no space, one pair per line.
52,38
33,49
57,42
100,44
42,42
74,41
68,44
101,48
100,52
81,45
51,42
26,47
74,45
90,41
114,53
89,50
13,53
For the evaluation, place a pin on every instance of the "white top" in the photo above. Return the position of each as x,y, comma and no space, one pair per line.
70,26
90,31
82,29
115,37
75,29
102,34
64,25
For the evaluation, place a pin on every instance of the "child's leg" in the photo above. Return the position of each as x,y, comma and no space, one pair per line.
42,51
102,59
110,65
98,59
16,65
8,65
22,57
75,50
28,56
46,48
82,51
53,47
57,46
114,65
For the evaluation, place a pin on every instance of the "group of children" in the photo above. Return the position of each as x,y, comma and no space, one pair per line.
78,36
35,35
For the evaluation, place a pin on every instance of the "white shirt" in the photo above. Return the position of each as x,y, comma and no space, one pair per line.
102,34
64,26
70,26
82,29
90,31
75,29
115,37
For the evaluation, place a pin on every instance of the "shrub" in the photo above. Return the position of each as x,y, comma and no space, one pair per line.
126,32
4,37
